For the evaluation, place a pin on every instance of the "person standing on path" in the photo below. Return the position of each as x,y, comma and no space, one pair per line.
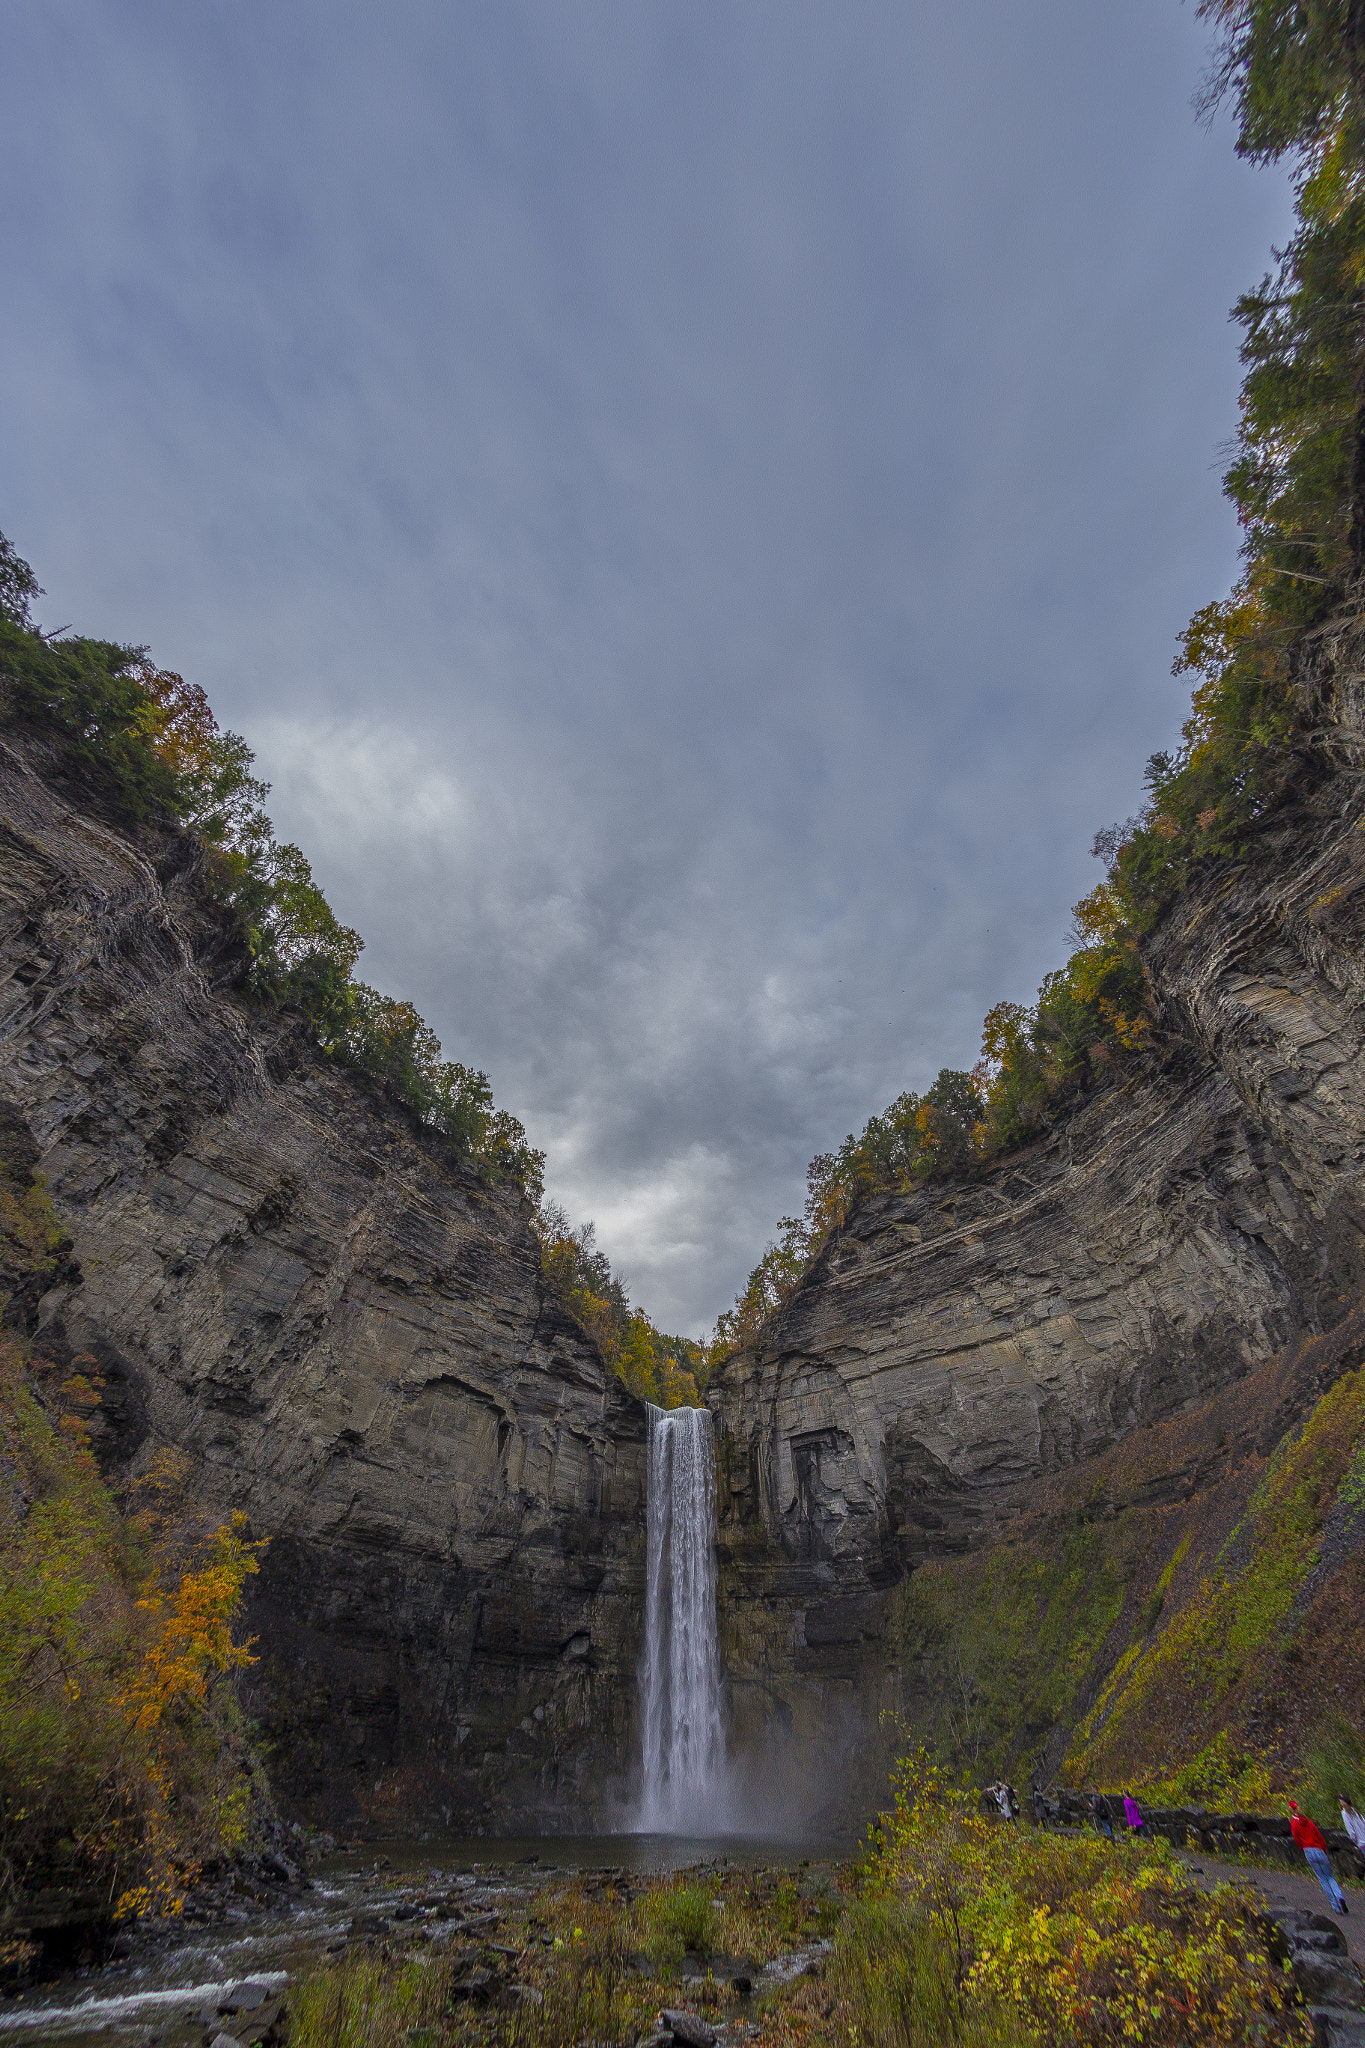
1313,1843
1099,1813
1354,1824
1132,1813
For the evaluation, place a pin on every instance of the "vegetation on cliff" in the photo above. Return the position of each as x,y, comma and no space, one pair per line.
1295,76
125,1765
1183,1614
666,1370
145,742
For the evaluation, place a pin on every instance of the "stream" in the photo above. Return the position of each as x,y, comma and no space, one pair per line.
169,1986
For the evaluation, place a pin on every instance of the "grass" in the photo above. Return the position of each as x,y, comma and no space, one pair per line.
954,1930
682,1917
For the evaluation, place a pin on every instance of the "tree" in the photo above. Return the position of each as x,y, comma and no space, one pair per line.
18,585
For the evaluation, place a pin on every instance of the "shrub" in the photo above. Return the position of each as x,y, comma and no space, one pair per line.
1332,1770
681,1919
124,1762
1067,1939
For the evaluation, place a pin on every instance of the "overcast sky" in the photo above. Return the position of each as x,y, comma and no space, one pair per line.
691,501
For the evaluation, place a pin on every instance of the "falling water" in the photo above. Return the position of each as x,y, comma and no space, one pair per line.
684,1743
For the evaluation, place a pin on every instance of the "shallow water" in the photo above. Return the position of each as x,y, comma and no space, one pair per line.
174,1971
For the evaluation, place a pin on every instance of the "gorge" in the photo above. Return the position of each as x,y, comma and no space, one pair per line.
279,1274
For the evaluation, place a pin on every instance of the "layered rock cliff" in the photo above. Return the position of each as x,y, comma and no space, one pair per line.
282,1276
955,1346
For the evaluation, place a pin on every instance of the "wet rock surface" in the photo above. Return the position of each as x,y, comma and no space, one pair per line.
232,1977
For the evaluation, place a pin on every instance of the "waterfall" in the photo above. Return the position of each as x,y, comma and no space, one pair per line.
684,1742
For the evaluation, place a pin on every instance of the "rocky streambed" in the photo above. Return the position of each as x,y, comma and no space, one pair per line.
225,1973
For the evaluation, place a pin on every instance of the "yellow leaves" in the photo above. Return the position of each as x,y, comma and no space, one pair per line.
158,1494
1070,1938
1098,917
1003,1034
1131,1032
1219,631
194,1639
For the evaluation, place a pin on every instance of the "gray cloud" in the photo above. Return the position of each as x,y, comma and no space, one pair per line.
692,505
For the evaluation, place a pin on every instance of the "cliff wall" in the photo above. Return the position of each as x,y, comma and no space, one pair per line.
280,1275
955,1347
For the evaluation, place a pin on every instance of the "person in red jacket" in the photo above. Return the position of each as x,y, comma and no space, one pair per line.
1311,1840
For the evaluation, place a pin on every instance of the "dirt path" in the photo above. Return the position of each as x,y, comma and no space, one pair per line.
1284,1887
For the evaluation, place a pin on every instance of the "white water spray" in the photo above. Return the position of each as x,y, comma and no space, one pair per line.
684,1741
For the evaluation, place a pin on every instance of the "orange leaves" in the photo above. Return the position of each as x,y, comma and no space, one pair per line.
194,1640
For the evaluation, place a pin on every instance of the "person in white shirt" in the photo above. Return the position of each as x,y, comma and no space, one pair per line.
1354,1824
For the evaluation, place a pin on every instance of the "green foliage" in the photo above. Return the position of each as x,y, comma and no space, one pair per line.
1332,1770
959,1931
147,743
1045,1938
1089,1016
892,1971
364,2004
1175,1687
1227,1776
123,1758
1296,76
89,700
389,1041
918,1137
670,1371
18,586
996,1648
681,1919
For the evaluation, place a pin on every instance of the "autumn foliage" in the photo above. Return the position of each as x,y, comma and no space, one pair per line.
670,1371
144,742
1016,1935
124,1762
1295,78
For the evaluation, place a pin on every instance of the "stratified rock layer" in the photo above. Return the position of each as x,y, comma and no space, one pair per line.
282,1277
953,1346
279,1275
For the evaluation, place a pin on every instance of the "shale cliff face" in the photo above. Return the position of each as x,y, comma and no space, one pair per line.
281,1276
347,1333
953,1347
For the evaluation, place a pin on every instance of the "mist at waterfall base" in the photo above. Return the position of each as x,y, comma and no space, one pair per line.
688,1784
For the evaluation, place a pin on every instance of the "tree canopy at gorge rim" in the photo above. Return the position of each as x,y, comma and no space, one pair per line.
148,741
